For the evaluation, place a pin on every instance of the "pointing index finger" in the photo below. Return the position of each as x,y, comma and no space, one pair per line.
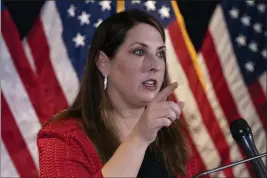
163,94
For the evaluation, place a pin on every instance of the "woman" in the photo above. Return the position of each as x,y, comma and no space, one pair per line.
121,123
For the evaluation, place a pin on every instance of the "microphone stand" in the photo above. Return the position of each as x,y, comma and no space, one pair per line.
229,165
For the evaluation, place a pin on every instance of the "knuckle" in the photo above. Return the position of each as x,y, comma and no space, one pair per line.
170,112
174,115
168,122
164,122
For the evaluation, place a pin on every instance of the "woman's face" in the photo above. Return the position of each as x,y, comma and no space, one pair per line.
137,70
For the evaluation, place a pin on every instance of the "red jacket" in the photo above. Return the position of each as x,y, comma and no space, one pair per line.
66,151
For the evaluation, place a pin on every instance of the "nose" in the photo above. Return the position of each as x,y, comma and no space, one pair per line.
152,63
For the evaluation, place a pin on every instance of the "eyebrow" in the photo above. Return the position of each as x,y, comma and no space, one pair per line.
145,45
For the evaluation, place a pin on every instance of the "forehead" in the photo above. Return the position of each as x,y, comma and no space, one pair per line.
144,33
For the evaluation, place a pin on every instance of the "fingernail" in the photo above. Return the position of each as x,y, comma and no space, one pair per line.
181,104
175,84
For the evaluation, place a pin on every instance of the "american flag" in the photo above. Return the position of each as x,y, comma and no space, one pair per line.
225,80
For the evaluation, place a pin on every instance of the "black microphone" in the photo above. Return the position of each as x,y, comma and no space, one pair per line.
242,134
229,165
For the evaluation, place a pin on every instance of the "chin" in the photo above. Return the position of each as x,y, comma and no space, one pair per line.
147,97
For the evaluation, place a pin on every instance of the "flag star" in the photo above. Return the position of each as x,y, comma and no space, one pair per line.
88,1
71,10
241,40
79,40
253,47
164,12
150,5
105,5
98,23
245,20
257,27
136,2
250,3
84,18
261,8
234,13
249,66
264,53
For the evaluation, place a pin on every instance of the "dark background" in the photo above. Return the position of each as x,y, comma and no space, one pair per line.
196,15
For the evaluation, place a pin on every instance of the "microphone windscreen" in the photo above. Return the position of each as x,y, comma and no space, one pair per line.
239,128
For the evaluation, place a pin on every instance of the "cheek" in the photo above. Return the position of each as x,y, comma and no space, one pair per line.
126,72
163,67
125,77
127,68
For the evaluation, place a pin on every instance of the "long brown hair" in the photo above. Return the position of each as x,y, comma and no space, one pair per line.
93,106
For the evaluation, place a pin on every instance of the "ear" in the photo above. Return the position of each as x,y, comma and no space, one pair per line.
103,63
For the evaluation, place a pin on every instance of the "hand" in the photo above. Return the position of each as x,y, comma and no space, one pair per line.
158,113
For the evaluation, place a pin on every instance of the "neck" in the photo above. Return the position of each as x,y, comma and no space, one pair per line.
126,119
125,115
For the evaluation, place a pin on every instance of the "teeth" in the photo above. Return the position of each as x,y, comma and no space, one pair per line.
149,85
150,82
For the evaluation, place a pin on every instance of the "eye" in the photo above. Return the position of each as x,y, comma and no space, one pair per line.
161,55
139,52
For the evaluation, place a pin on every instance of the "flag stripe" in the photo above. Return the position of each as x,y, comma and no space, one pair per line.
187,42
234,79
195,153
203,104
40,77
18,101
263,83
29,54
64,70
235,154
200,136
7,167
219,83
23,69
200,165
44,67
15,144
259,100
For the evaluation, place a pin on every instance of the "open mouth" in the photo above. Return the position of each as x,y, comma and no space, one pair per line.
150,84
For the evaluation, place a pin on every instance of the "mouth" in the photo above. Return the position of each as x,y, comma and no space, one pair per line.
150,84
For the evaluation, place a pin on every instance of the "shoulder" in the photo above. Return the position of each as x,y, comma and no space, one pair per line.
67,133
62,130
66,146
61,126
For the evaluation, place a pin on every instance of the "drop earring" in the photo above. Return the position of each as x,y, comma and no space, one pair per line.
105,82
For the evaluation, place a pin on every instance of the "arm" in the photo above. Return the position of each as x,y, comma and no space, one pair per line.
126,160
62,156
